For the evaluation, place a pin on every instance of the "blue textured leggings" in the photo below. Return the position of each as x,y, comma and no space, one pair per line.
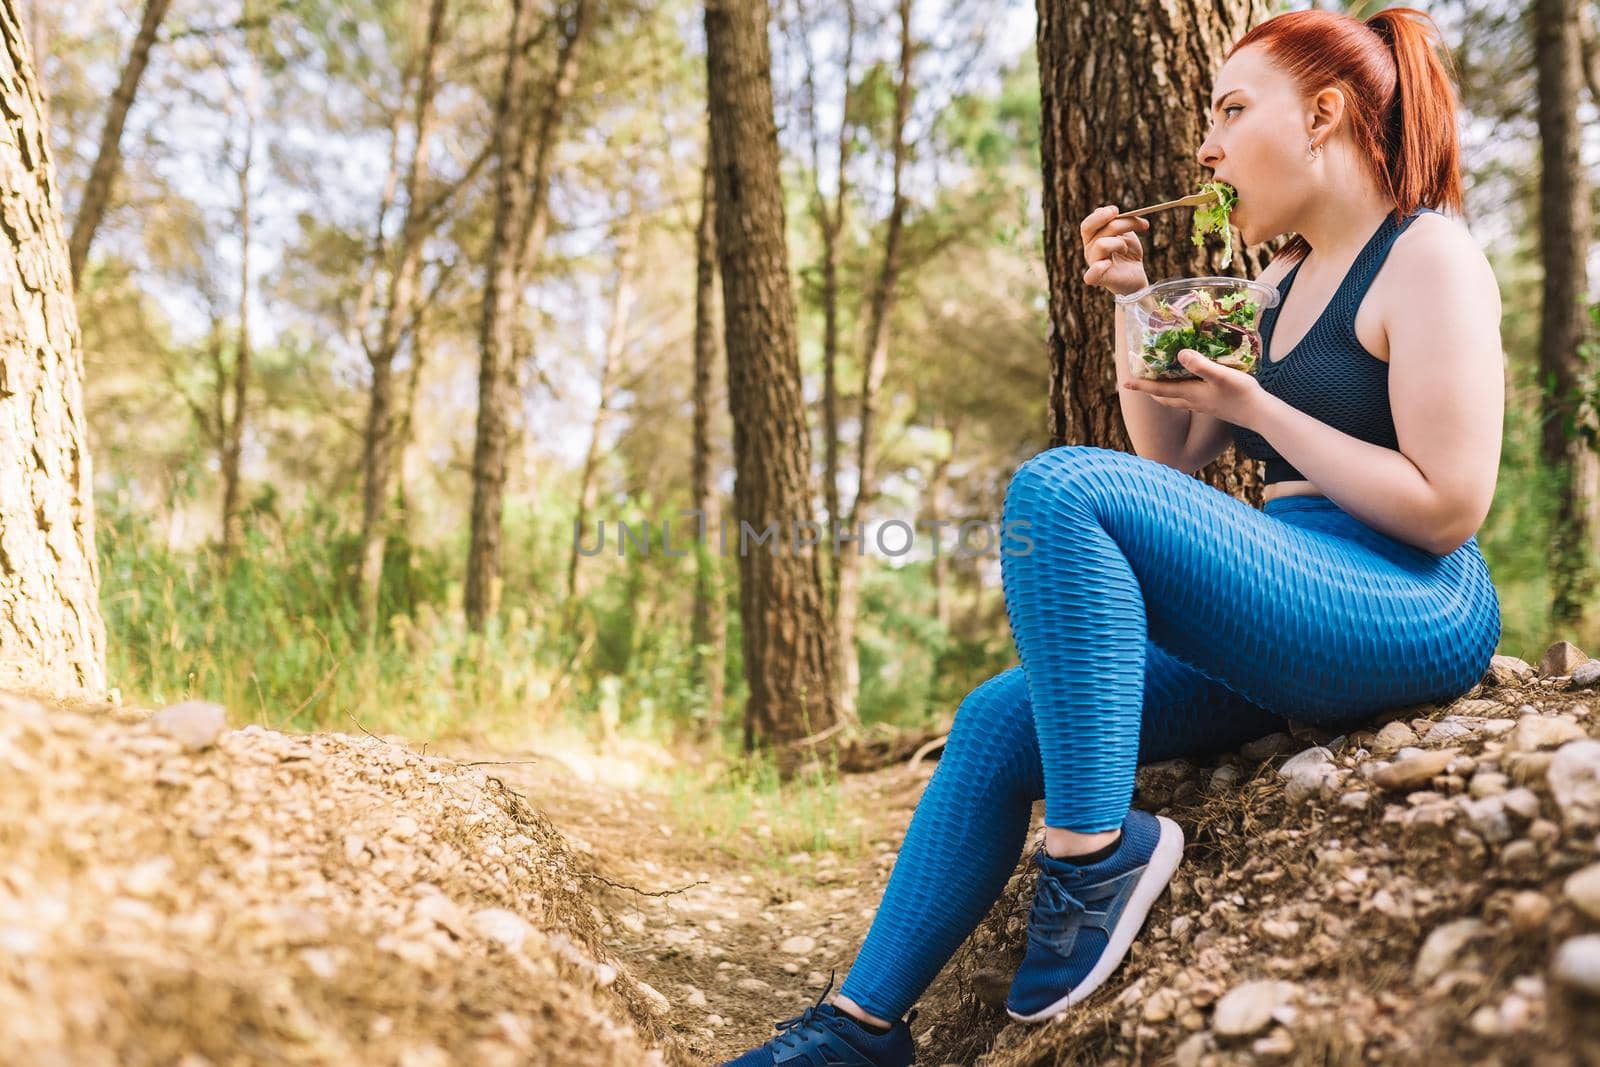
1156,616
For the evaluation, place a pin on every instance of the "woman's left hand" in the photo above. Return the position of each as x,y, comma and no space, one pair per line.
1231,395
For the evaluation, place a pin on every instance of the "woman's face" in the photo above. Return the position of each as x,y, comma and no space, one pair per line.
1257,144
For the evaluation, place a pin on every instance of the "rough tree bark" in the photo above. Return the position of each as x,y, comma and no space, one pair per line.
1122,115
378,451
108,159
709,628
875,362
52,639
788,640
525,144
1564,243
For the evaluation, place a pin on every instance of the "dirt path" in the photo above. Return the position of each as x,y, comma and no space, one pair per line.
732,943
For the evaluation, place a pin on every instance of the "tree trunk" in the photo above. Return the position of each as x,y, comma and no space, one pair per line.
233,436
874,364
521,222
830,225
108,160
938,487
1130,139
378,451
495,330
616,341
52,639
788,642
1564,242
709,632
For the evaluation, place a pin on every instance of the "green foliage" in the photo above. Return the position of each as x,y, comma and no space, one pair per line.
914,671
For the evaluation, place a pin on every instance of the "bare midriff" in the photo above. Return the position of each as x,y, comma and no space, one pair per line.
1297,487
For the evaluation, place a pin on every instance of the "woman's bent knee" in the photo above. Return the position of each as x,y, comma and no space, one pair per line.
992,739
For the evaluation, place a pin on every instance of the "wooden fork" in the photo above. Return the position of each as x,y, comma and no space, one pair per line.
1192,200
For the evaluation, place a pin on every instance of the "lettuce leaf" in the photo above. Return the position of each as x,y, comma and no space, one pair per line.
1213,218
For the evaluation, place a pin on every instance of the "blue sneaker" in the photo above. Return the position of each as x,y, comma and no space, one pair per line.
1084,918
824,1036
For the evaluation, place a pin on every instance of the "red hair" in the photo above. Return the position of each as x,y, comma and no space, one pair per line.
1399,105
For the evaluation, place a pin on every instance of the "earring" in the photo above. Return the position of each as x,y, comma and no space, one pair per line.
1313,149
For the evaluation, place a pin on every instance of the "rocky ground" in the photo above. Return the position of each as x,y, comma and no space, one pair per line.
173,892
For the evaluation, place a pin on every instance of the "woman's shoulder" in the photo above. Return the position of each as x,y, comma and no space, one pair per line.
1437,258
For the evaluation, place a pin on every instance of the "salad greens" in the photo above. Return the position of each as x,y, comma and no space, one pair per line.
1214,218
1219,328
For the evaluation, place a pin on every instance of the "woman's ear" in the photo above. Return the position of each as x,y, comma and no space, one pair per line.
1327,111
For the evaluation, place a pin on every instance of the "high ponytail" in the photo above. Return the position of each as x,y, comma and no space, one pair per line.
1400,107
1421,145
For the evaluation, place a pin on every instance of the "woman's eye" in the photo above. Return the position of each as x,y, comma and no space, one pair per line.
1233,107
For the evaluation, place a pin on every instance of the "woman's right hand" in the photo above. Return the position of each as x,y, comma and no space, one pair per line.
1111,248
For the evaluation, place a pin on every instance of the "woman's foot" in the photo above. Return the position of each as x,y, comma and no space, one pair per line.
1085,916
824,1036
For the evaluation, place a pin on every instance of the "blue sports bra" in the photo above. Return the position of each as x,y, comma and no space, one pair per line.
1329,375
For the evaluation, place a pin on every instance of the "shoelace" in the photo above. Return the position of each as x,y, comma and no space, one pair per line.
1055,909
789,1030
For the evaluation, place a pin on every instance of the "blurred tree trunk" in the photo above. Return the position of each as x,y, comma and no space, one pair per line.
52,639
233,422
525,139
1564,243
1122,116
938,487
830,226
788,642
1589,35
108,159
616,340
379,441
875,362
709,632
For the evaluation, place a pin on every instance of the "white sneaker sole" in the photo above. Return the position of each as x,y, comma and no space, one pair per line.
1163,862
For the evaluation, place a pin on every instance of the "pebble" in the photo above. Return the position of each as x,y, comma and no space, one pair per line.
1247,1009
1574,779
1582,888
1278,1043
1529,911
1356,800
1535,732
1443,945
1488,784
1413,771
1393,737
799,945
1586,675
1507,670
1577,964
1308,774
1450,728
194,724
1561,658
502,926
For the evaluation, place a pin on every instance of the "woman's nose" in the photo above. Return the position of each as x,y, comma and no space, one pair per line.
1208,154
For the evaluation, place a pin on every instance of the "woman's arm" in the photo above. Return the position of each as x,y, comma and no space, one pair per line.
1440,309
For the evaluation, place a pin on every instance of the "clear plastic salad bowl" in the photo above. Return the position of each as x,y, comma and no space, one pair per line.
1218,317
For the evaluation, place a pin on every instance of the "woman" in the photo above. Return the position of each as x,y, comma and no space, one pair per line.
1157,616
